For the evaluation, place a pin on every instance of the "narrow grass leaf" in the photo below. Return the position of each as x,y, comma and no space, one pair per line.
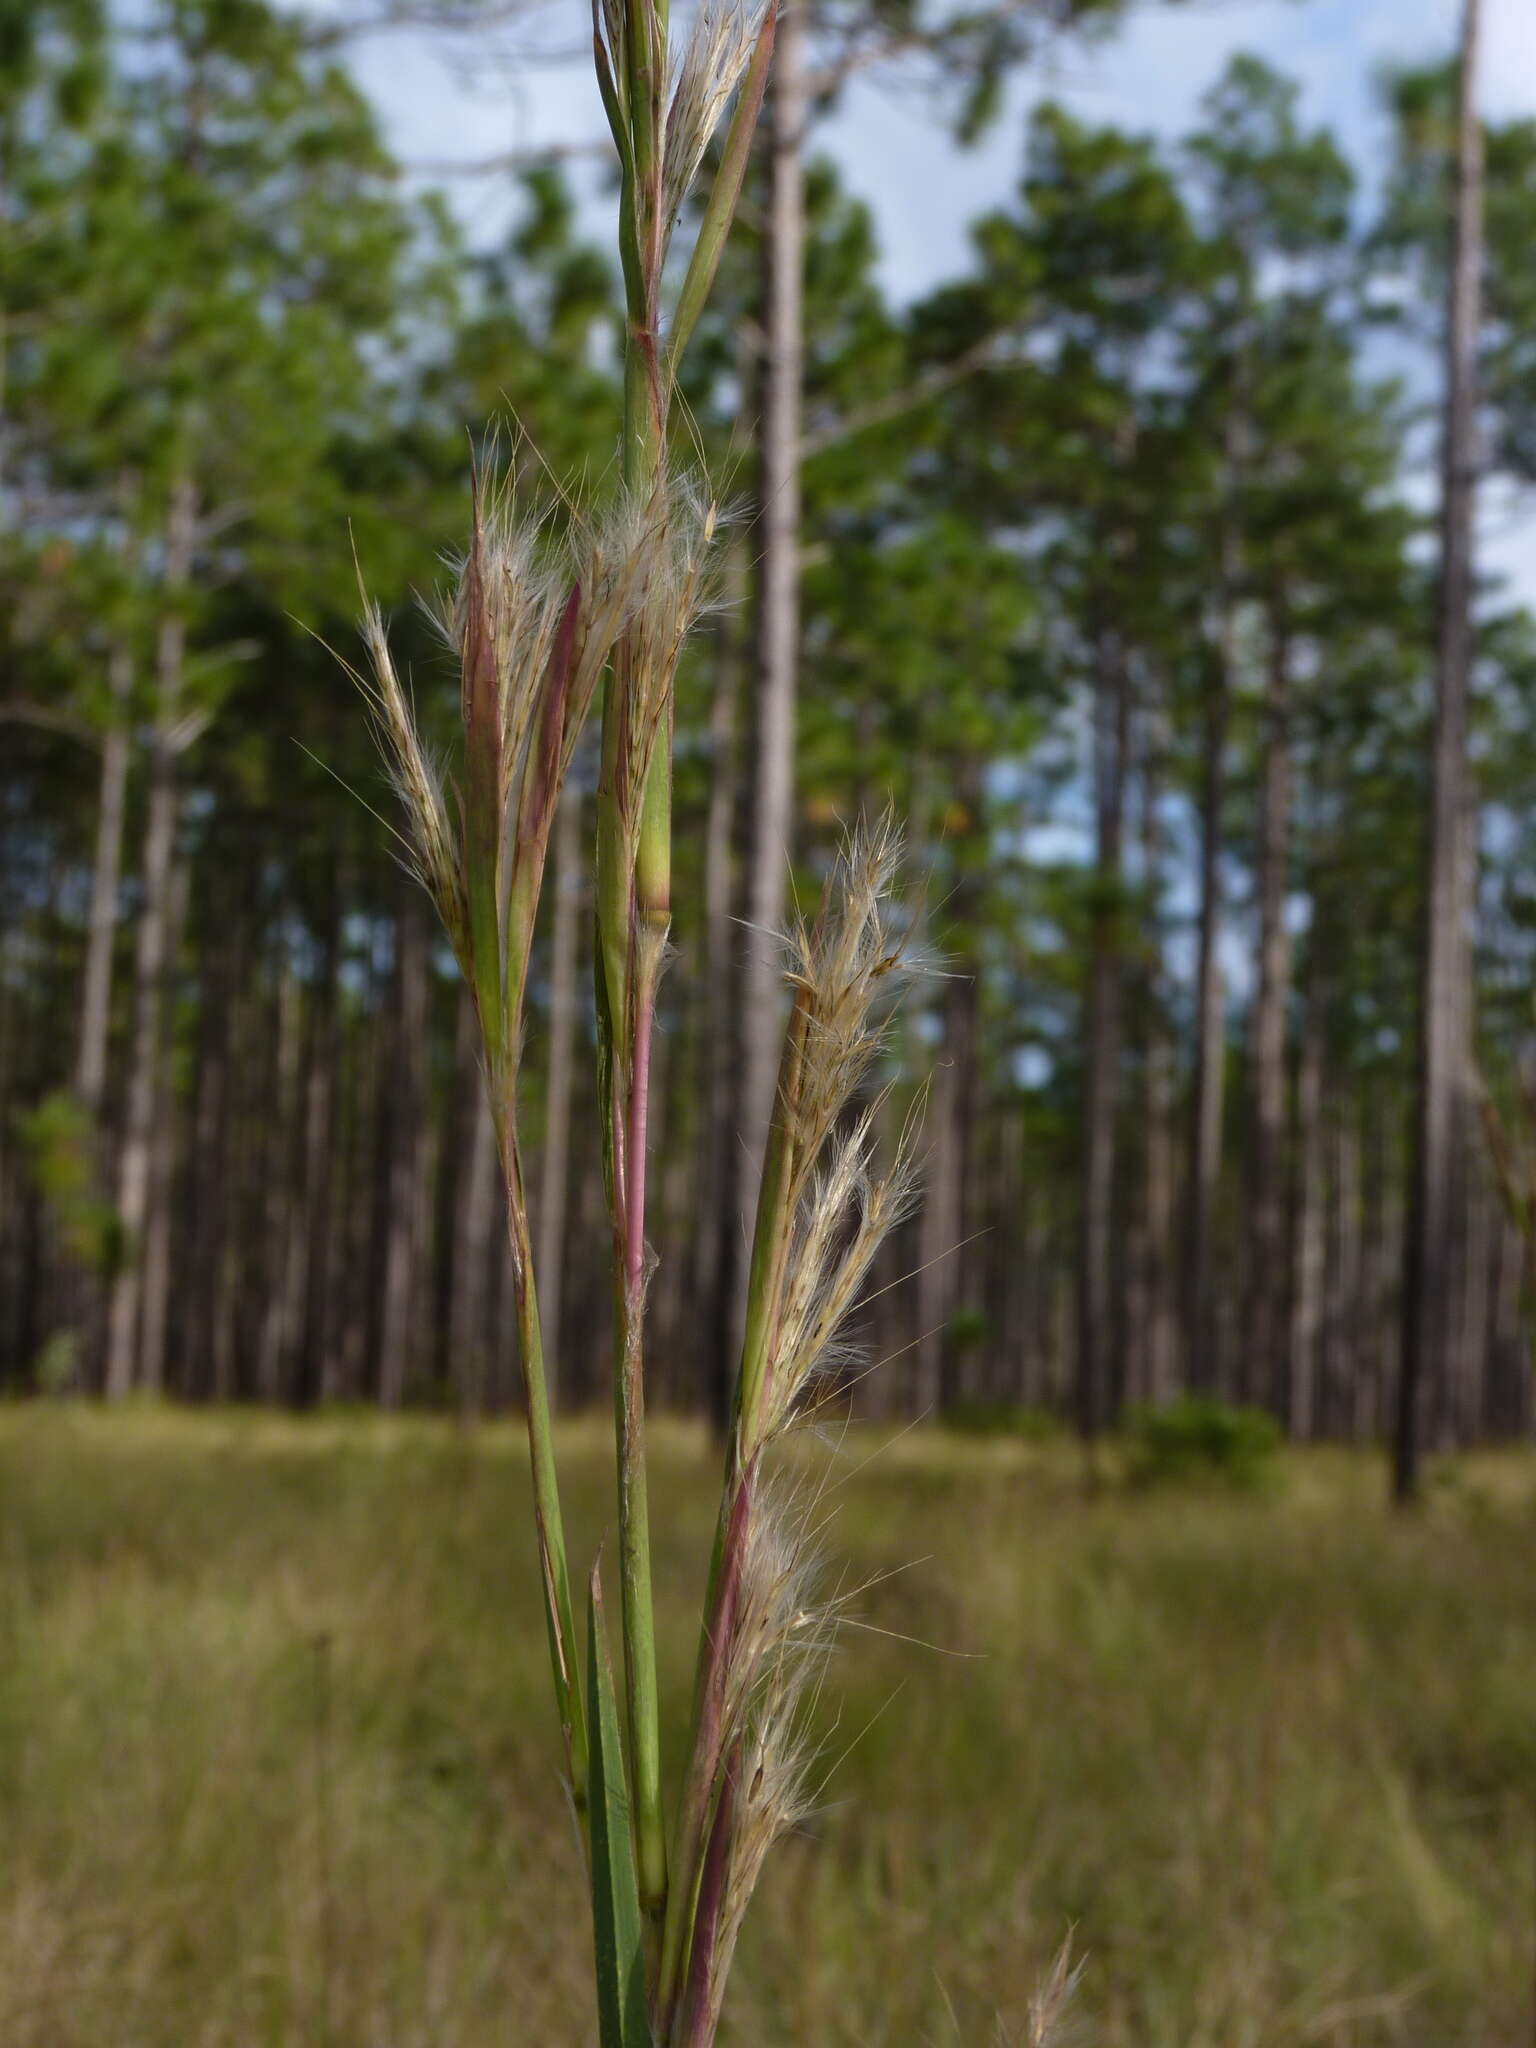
621,2006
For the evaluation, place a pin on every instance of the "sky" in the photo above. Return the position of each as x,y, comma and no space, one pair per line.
444,107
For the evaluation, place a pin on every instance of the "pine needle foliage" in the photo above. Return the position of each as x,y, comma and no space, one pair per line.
551,607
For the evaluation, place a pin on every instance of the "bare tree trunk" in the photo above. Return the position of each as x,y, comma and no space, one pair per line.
154,1309
1158,1336
1307,1238
282,1208
106,872
1095,1325
1439,1135
476,1222
1476,1314
207,1367
136,1159
718,1217
942,1229
1210,1034
362,1233
1383,1240
1263,1368
1342,1322
554,1168
323,1057
779,594
1510,1377
951,1116
406,1083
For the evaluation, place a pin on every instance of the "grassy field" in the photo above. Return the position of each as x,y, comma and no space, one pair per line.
277,1762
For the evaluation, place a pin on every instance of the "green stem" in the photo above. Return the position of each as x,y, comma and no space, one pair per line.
633,910
546,1488
770,1252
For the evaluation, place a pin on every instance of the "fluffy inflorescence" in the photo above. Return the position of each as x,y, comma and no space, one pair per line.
533,615
835,1208
716,54
824,1210
673,526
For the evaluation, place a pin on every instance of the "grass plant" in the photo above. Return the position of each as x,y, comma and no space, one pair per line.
552,607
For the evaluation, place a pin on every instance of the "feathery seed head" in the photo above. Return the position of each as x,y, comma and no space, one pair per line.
434,853
781,1641
842,1222
830,1210
719,46
672,528
850,967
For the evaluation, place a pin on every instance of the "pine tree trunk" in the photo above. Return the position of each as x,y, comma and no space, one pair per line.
209,1168
1342,1350
320,1094
406,1085
950,1118
106,872
154,1307
947,1127
1440,1124
1158,1333
135,1188
476,1224
1307,1234
772,813
1210,1033
719,1204
282,1215
1095,1318
1263,1366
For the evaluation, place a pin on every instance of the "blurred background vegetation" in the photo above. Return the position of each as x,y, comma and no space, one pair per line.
1110,573
1111,569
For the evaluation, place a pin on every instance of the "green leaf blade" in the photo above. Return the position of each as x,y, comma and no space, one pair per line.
623,2018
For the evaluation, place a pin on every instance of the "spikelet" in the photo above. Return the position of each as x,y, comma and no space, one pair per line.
719,47
832,1209
849,970
672,531
845,1219
1045,2020
434,851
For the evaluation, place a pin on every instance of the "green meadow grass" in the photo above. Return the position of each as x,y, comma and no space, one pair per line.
277,1763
